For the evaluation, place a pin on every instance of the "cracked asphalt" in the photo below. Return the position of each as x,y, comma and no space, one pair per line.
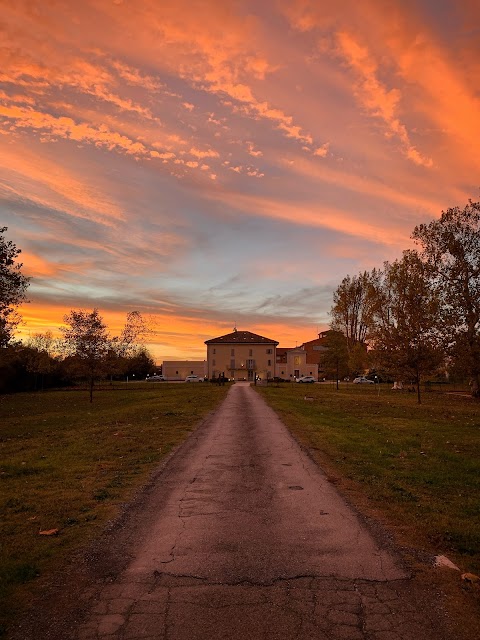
242,536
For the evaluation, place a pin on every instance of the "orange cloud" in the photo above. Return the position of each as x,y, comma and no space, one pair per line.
403,68
49,184
455,100
36,266
375,97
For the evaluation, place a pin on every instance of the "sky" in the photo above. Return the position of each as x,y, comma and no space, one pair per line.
222,163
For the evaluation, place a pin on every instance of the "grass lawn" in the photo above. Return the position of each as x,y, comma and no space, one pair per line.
415,466
67,464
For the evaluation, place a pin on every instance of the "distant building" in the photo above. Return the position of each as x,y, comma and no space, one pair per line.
241,355
180,369
316,348
292,363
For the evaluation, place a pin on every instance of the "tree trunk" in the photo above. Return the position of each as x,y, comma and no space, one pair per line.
91,388
475,386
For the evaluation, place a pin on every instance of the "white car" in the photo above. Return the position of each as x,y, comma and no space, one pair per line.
363,380
159,378
193,379
306,379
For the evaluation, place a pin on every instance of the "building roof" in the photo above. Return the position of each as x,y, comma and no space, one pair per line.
241,337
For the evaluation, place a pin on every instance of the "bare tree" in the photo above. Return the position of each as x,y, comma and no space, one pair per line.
450,247
13,286
86,338
135,329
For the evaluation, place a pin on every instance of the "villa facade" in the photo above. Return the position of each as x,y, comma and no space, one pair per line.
241,355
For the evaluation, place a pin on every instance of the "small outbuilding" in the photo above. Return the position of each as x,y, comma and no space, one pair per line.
180,369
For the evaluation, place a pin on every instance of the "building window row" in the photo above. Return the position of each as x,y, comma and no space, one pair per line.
250,352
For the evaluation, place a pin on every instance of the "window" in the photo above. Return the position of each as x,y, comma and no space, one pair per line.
269,364
176,373
251,364
214,352
269,351
232,352
250,352
213,362
232,363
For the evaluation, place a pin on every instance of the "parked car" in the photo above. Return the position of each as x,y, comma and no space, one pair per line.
193,379
363,380
306,379
158,378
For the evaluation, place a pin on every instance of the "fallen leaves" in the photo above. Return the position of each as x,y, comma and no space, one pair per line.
470,577
48,532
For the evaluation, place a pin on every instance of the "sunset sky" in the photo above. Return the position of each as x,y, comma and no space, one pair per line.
219,162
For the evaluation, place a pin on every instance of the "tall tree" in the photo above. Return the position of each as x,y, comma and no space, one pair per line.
450,247
13,286
406,334
352,310
86,339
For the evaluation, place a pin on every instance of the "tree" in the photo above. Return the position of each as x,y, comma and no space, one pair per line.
450,248
136,328
87,340
406,331
40,355
353,307
140,363
13,286
127,345
335,357
358,359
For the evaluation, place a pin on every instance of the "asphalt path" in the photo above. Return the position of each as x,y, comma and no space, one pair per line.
243,537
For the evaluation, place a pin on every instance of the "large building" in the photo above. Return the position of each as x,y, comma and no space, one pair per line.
241,355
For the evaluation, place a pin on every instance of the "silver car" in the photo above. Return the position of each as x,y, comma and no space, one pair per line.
193,379
363,380
306,379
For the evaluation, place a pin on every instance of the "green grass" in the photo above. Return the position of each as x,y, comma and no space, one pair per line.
67,464
415,466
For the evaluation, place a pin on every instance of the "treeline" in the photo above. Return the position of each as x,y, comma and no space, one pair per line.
419,315
85,353
86,350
